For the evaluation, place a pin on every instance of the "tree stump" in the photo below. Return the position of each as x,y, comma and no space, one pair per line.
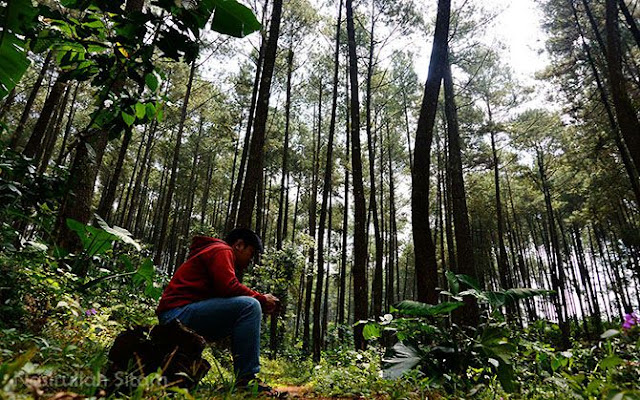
173,350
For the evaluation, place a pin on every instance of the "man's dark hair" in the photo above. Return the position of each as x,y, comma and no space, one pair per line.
247,235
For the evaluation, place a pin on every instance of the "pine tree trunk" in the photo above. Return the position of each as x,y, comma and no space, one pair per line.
53,132
557,267
109,195
424,249
17,134
8,103
83,173
166,210
376,287
231,218
35,144
280,234
627,117
306,343
360,241
67,130
464,246
256,150
326,190
503,261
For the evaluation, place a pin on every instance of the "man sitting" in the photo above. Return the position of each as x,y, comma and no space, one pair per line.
206,296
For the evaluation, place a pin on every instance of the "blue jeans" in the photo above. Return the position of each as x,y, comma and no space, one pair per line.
216,318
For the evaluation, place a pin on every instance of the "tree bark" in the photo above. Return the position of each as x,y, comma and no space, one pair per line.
326,190
424,249
469,315
231,218
360,240
35,143
17,134
377,283
164,224
280,234
256,150
627,117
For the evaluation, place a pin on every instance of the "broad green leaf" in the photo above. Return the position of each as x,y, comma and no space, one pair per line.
416,308
371,331
120,233
145,272
13,62
610,362
19,16
610,333
141,110
152,291
512,295
399,359
80,229
454,284
233,18
506,377
469,281
151,80
150,110
128,118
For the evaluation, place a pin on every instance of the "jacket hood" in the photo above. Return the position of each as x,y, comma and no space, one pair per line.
199,243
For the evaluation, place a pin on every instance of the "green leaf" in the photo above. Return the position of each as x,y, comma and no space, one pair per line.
145,272
233,18
80,229
128,118
610,333
141,110
13,62
151,80
506,377
118,232
371,331
150,111
454,284
19,16
416,308
610,362
515,294
469,281
399,359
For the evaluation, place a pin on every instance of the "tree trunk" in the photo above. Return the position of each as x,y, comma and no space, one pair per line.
166,210
377,283
67,130
17,134
280,234
106,203
627,117
557,272
306,343
40,130
83,173
503,261
424,249
469,315
326,190
53,132
256,150
6,106
231,218
360,240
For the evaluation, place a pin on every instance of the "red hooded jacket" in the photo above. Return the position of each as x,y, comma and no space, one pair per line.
208,272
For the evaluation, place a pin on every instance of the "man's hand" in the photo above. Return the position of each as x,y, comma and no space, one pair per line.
271,304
